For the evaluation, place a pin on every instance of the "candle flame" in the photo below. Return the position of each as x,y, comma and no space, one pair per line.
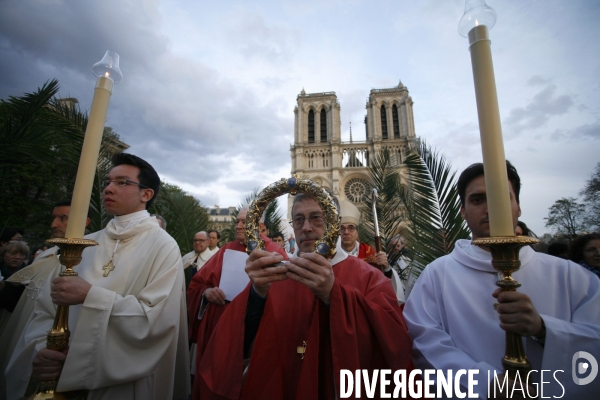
476,22
107,74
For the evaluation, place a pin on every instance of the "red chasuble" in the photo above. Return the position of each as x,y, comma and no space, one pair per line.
363,328
209,276
367,253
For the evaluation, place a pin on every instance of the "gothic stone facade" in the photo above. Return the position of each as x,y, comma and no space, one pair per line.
318,152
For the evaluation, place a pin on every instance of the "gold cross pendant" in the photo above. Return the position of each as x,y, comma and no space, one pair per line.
108,267
301,349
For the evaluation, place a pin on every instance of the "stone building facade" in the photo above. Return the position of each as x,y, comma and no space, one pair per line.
318,152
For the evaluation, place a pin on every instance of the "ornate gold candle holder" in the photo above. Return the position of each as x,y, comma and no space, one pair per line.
505,259
58,337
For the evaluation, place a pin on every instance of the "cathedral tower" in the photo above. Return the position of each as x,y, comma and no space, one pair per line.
318,152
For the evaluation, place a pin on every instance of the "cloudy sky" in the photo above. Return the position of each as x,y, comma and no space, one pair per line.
210,87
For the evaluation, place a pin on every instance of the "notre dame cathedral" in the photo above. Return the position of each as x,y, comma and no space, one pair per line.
318,152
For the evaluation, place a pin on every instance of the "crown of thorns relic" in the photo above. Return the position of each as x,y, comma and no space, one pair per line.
324,246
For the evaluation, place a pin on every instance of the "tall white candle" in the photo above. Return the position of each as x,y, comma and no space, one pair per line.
82,192
494,161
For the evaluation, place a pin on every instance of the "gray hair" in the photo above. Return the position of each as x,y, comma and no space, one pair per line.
162,220
301,197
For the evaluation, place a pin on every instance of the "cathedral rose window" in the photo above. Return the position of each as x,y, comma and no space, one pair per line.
356,189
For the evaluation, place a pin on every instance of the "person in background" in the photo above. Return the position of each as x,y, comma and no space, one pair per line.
213,240
32,278
523,230
161,221
277,238
585,250
12,258
10,235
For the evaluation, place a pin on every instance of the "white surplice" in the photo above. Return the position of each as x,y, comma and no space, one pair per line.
200,259
451,317
129,337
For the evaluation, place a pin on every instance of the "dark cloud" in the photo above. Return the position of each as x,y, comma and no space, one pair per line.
588,131
544,105
179,114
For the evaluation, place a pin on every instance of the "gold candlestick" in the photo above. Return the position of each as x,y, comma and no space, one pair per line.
505,259
58,338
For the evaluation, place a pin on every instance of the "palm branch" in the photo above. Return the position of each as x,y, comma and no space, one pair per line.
386,178
432,204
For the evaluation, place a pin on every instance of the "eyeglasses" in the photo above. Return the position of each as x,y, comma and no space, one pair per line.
122,183
350,228
316,220
200,240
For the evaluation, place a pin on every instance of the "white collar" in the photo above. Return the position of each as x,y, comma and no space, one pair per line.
124,226
122,222
353,252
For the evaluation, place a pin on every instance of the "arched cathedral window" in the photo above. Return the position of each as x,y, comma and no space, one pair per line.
311,126
384,131
323,126
395,122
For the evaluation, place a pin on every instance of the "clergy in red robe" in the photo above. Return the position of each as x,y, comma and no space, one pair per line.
205,301
301,323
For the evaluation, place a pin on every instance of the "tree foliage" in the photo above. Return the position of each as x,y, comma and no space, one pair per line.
425,189
184,214
40,146
39,152
385,178
432,204
591,196
566,217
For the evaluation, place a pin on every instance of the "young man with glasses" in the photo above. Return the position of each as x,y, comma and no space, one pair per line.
128,324
300,323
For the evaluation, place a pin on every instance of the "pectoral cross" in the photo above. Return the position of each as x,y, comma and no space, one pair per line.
108,267
301,349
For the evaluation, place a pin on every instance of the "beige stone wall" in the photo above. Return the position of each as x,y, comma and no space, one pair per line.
342,167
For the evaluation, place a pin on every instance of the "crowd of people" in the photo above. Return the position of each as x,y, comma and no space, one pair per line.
283,322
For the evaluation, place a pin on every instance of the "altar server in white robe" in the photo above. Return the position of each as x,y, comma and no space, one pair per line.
455,324
127,306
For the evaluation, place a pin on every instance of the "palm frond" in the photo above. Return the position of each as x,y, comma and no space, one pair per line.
432,203
386,178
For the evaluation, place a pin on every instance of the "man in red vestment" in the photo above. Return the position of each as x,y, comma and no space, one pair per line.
350,218
205,301
300,323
